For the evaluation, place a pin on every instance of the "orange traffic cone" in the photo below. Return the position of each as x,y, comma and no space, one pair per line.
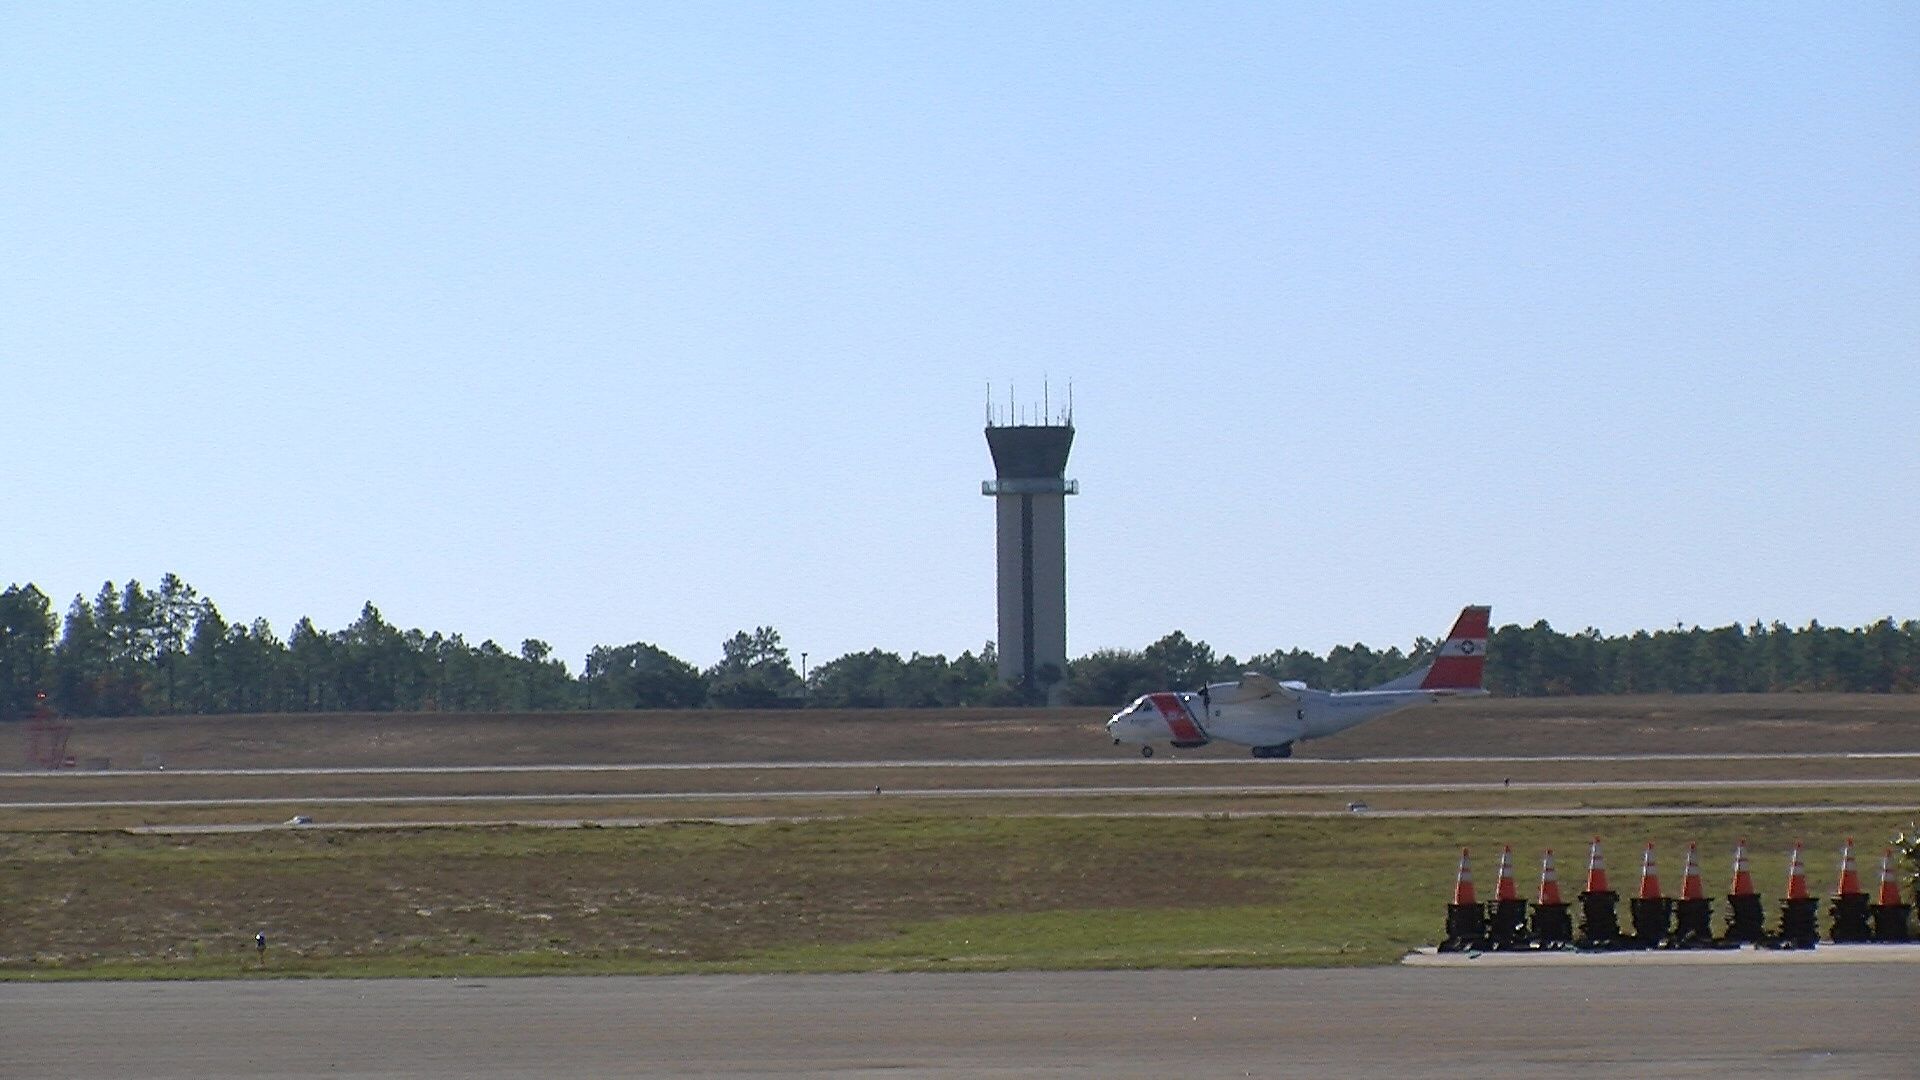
1552,925
1690,888
1651,911
1889,915
1599,922
1746,919
1798,926
1849,904
1507,916
1649,877
1550,881
1596,869
1505,891
1463,882
1742,878
1889,888
1466,919
1796,876
1849,878
1693,915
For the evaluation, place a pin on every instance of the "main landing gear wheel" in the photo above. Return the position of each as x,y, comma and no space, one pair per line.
1146,751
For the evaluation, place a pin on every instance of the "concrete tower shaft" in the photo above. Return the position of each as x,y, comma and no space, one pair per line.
1030,515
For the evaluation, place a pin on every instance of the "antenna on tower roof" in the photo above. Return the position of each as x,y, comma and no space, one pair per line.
1027,414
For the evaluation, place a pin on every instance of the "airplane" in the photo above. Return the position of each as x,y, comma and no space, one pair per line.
1270,716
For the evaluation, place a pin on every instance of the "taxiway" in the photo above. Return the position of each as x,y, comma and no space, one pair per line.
1579,1021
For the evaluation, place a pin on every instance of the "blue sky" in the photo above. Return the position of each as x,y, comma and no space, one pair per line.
611,322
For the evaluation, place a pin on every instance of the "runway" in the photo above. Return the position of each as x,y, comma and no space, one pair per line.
1220,790
628,821
956,763
1572,1021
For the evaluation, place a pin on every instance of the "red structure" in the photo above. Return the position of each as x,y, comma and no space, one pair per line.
47,737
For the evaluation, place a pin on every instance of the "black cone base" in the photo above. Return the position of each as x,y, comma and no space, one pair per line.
1799,923
1849,912
1507,924
1693,923
1466,928
1652,921
1746,918
1599,921
1890,922
1552,926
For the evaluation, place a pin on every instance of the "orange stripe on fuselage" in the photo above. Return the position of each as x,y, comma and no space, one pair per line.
1179,720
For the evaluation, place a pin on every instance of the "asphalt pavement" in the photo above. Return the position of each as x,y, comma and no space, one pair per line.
1572,1021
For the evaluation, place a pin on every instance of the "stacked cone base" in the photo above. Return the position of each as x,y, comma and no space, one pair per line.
1599,921
1890,922
1552,926
1799,924
1693,924
1507,924
1652,921
1466,928
1849,912
1746,919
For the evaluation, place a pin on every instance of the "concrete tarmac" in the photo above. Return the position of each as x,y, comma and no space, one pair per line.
630,822
1571,1021
1126,758
1090,791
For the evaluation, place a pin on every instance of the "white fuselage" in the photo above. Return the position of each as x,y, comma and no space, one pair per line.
1298,713
1270,716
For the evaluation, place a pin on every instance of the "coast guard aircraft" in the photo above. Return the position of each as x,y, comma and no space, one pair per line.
1271,716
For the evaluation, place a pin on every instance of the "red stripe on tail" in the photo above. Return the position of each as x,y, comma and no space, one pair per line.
1462,663
1456,673
1472,623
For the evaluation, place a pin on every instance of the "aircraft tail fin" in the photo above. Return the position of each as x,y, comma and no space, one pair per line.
1462,663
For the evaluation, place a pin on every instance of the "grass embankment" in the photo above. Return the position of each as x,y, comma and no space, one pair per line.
878,893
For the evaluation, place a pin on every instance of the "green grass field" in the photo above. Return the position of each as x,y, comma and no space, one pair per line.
874,893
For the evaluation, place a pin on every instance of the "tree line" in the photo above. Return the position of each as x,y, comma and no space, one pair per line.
132,650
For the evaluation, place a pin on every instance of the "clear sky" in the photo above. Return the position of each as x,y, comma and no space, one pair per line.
621,322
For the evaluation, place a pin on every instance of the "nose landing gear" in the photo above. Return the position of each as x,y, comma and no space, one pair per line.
1146,751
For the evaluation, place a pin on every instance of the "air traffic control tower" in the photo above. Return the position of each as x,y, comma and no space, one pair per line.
1029,493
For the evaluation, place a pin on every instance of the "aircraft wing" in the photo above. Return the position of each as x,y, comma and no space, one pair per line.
1255,686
